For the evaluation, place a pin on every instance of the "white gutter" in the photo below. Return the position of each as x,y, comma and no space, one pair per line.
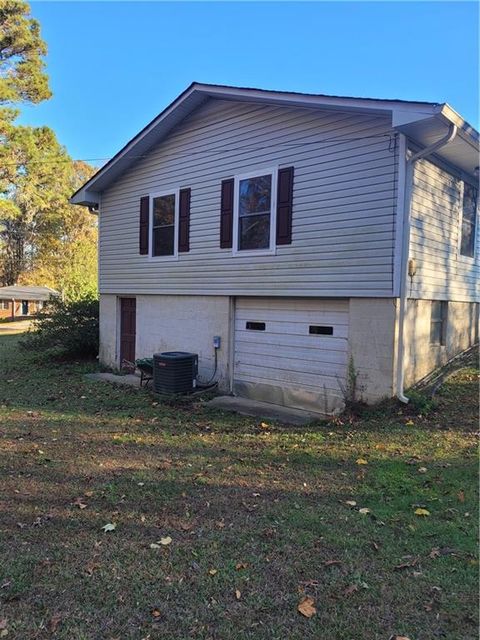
405,253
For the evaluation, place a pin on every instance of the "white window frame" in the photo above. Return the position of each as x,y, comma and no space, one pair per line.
158,194
5,305
461,256
272,249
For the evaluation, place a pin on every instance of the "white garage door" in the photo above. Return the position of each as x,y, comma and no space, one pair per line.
292,351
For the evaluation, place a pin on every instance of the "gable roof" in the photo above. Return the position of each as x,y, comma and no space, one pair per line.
17,292
424,122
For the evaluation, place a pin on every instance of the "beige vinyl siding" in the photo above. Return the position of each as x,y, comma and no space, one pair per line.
343,204
436,214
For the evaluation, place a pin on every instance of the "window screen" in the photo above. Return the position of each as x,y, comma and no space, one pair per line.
254,212
469,220
164,225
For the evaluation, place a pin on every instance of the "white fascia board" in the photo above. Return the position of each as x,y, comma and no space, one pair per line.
401,117
85,198
312,100
78,198
465,130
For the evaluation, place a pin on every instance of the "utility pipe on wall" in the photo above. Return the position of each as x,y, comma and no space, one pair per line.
410,165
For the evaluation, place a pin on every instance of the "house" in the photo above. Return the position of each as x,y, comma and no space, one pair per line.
327,242
18,301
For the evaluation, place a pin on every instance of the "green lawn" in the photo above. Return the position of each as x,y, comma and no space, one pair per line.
257,515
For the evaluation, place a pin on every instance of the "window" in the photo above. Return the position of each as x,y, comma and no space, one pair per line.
254,220
320,330
164,223
255,326
469,220
4,304
438,322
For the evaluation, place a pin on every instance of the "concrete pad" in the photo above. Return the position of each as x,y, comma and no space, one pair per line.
129,379
258,409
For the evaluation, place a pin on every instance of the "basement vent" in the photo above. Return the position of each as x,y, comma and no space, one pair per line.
255,326
317,329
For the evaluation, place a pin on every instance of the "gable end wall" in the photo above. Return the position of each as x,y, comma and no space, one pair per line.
343,205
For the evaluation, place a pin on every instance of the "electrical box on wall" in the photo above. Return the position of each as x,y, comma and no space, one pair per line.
217,341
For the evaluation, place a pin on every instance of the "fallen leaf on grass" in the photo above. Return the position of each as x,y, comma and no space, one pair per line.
361,461
461,496
90,568
241,565
364,511
154,545
88,494
436,552
399,638
238,595
306,607
350,590
406,565
3,633
54,622
421,512
351,503
331,563
213,572
422,470
307,583
409,423
78,502
156,613
111,526
165,541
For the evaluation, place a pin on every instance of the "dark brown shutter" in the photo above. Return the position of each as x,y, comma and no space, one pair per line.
184,221
284,205
144,231
226,214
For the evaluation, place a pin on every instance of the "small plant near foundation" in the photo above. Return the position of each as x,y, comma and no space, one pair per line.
420,403
352,390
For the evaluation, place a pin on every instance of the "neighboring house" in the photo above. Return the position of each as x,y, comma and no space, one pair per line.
322,238
17,301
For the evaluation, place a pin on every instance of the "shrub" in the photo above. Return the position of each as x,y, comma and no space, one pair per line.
420,402
69,328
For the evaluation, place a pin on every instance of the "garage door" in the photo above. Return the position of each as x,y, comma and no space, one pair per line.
292,352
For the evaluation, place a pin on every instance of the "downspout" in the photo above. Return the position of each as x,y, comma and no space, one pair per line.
410,165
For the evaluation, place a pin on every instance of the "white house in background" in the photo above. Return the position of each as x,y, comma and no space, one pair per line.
307,231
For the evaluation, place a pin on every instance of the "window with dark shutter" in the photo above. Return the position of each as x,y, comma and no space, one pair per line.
163,225
184,221
226,214
144,231
284,205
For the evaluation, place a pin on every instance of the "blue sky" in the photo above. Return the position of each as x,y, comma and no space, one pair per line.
115,65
